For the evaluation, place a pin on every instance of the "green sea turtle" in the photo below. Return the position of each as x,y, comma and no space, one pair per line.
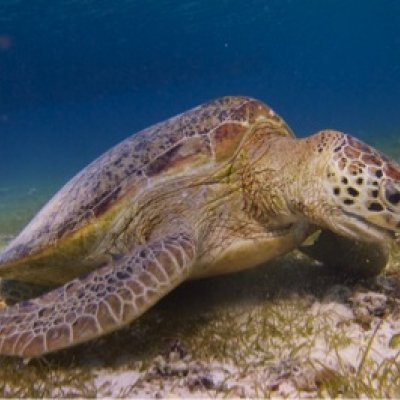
220,188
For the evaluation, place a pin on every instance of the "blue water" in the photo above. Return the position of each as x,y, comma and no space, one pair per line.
77,76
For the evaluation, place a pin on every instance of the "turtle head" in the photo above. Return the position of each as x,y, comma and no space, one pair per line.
359,188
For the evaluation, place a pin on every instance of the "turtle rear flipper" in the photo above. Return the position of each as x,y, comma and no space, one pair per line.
101,302
348,256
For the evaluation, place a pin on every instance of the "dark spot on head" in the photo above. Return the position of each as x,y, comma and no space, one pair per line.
375,207
345,180
352,192
375,193
359,181
336,191
379,173
348,202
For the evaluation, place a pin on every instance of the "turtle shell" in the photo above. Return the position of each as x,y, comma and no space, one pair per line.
65,230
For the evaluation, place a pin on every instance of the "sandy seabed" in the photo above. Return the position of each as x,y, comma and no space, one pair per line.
292,328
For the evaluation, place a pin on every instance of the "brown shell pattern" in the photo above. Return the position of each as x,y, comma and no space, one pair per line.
206,134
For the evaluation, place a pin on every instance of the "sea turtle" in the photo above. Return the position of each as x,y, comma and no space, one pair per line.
220,188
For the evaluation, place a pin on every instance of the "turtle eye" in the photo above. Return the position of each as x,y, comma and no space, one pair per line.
390,193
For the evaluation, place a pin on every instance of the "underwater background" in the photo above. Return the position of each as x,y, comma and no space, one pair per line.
78,76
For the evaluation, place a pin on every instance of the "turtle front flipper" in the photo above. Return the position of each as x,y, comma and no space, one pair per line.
101,302
351,257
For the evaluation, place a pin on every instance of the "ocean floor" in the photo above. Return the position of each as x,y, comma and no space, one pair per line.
292,328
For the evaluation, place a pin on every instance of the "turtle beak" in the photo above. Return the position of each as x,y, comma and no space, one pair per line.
361,228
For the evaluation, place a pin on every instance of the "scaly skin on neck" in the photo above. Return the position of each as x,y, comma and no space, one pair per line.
330,179
275,175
